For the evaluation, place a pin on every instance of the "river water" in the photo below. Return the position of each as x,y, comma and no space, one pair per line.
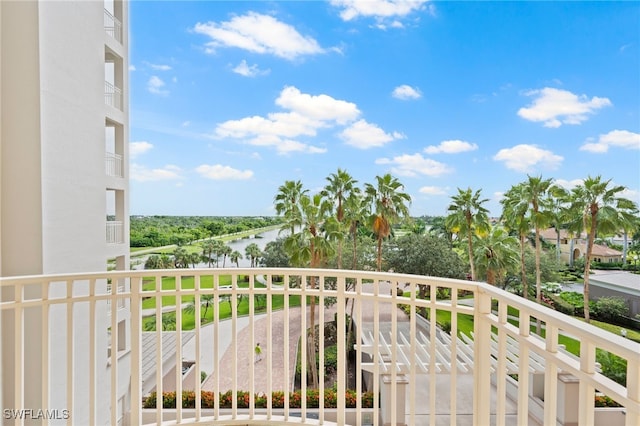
261,239
240,245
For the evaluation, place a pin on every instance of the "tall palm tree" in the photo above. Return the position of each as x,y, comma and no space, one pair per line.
389,203
598,207
496,254
468,217
286,201
515,218
339,188
356,212
310,246
534,191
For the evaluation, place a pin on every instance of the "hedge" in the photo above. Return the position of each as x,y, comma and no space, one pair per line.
225,400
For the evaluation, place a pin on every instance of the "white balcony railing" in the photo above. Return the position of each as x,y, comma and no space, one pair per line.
115,232
113,164
417,373
112,26
112,95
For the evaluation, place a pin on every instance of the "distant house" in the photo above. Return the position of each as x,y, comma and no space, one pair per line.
618,284
575,247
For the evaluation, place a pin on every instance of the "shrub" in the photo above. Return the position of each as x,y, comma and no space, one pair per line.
208,399
605,401
563,306
610,309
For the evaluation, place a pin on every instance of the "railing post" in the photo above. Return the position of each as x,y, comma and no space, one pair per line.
136,352
633,392
482,360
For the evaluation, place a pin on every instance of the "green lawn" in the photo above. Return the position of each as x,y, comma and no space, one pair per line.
224,308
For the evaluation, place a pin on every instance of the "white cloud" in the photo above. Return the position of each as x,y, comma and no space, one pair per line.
220,172
138,148
132,67
406,92
414,165
259,33
451,147
155,85
526,158
365,135
433,190
307,113
615,138
320,107
158,67
141,173
249,71
568,184
379,9
555,107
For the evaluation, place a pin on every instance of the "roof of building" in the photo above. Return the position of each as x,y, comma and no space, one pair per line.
620,280
169,339
600,250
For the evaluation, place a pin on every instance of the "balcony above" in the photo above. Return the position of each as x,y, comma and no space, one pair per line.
399,366
112,26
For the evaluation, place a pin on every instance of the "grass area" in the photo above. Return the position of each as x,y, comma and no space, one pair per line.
224,308
224,311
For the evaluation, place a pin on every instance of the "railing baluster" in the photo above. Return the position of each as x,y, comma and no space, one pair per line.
70,349
342,353
198,331
44,324
482,360
136,351
178,368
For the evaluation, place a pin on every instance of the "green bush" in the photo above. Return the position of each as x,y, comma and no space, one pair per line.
562,305
610,309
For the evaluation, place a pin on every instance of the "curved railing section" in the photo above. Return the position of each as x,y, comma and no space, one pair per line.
104,347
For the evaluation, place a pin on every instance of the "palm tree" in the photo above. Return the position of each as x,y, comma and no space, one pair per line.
514,217
597,206
235,257
356,211
534,191
496,254
206,300
253,252
340,187
168,322
287,199
310,246
226,251
468,217
207,250
390,203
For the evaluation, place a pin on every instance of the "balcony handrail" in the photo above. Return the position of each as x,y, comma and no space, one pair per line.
60,290
114,232
113,164
112,26
112,95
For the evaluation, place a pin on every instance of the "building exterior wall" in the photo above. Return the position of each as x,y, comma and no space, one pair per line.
53,209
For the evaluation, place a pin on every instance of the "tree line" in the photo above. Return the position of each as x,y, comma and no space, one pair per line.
157,231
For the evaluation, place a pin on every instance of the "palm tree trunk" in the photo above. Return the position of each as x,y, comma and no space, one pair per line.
523,269
538,281
379,260
473,271
587,267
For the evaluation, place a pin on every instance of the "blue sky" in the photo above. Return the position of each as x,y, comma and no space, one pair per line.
229,99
